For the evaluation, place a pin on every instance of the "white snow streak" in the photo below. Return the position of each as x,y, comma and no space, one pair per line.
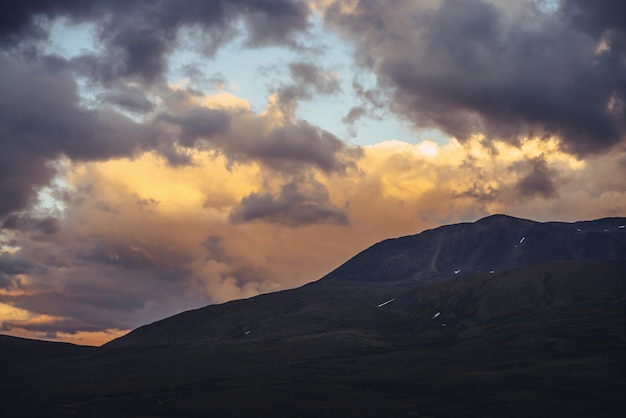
385,303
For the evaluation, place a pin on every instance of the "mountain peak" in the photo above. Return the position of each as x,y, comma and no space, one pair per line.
493,243
379,286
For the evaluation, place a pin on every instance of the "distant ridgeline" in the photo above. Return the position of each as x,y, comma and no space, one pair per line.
453,278
491,244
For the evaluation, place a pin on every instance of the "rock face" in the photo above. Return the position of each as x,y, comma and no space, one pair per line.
468,273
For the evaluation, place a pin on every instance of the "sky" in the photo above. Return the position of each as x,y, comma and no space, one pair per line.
161,156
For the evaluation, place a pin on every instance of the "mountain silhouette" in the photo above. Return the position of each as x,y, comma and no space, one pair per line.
500,317
391,271
493,243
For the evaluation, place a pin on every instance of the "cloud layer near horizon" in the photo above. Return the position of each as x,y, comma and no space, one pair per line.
135,198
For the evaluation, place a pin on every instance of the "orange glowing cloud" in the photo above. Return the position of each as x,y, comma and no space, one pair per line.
396,188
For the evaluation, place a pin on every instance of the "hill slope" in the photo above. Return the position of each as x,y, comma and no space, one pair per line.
481,255
392,332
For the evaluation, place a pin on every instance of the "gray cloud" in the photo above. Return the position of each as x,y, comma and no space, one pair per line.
41,119
80,310
308,75
372,105
539,181
136,36
91,294
120,255
215,248
481,194
12,265
199,124
468,66
130,98
51,329
308,80
293,207
596,17
288,147
243,136
39,226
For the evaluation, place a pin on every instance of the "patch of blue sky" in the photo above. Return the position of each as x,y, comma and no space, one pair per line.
70,40
547,6
254,73
50,201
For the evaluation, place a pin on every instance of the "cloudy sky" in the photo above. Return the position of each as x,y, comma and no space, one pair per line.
158,156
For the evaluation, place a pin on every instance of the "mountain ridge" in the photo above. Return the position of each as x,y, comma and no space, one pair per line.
545,338
348,297
497,254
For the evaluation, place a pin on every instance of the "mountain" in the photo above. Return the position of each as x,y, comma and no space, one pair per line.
495,243
482,252
500,317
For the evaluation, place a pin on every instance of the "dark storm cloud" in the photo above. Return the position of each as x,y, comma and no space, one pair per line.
539,181
130,98
40,114
111,298
293,207
84,305
199,124
287,147
173,156
130,254
7,281
596,16
243,137
136,34
17,18
480,193
11,265
125,256
274,21
468,66
46,225
51,328
41,119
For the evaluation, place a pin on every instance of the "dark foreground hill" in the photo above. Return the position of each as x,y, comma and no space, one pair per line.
540,330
